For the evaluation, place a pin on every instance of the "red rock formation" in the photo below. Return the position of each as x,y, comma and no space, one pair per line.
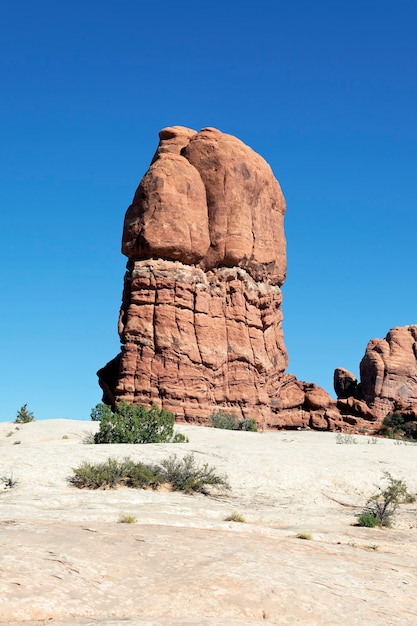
201,318
388,377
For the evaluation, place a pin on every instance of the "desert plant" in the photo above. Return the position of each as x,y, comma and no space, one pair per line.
185,475
88,438
229,421
226,421
382,506
305,536
137,424
181,474
127,519
345,438
248,424
235,517
398,424
23,416
112,472
9,481
368,519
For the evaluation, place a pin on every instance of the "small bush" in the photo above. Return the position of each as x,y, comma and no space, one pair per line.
229,421
182,475
127,519
368,519
137,424
382,506
235,517
305,536
24,416
112,472
346,438
185,475
398,424
9,481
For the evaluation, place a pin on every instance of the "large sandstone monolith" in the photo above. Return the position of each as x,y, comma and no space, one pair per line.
201,318
388,377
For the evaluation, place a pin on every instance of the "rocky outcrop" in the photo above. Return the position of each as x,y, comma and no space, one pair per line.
201,317
388,377
344,382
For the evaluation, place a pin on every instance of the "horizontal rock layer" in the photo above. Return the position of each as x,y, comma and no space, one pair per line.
201,319
197,339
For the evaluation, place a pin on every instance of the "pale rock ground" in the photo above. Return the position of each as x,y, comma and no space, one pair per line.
65,559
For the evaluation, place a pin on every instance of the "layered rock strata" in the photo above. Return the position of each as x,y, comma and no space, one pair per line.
388,378
201,318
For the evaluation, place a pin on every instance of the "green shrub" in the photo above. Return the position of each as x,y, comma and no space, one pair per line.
398,424
181,474
100,410
226,421
368,519
382,506
248,424
229,421
127,519
136,424
235,517
185,475
24,416
112,472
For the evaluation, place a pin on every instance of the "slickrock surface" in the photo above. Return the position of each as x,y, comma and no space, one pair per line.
66,561
388,377
201,318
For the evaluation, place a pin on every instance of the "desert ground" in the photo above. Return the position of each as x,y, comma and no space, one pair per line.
67,560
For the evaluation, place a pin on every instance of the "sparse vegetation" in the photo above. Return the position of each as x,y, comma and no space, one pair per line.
185,475
229,421
136,424
382,506
235,517
127,519
9,481
305,536
346,438
400,425
88,438
180,474
24,416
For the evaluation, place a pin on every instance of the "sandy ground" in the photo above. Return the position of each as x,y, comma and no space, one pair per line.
67,560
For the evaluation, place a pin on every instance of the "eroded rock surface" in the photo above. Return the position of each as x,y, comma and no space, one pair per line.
201,318
388,377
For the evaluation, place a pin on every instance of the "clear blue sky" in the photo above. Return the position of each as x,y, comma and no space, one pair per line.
325,91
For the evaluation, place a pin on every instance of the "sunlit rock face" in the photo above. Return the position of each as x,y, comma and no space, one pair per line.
388,376
201,317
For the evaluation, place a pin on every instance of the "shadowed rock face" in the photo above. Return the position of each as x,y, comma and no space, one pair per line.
388,377
201,318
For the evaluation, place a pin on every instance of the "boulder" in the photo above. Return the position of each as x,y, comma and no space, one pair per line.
344,383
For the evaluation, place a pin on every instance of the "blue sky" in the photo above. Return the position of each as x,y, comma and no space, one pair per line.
325,91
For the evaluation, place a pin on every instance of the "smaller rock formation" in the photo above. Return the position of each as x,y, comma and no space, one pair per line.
388,378
344,382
